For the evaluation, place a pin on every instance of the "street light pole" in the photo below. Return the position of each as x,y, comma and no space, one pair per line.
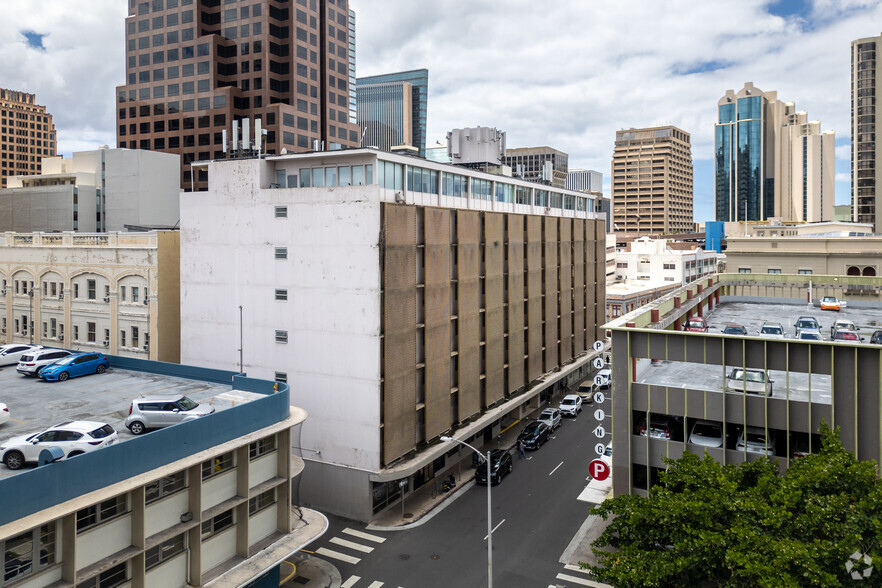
446,439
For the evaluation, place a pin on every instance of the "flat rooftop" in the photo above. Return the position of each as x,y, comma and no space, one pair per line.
35,404
752,315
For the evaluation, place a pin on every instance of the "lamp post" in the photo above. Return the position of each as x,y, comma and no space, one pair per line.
446,439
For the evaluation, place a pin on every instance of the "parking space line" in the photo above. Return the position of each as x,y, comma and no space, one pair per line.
555,469
494,528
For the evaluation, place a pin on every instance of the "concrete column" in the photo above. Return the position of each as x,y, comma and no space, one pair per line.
194,539
700,308
139,510
243,463
654,315
68,326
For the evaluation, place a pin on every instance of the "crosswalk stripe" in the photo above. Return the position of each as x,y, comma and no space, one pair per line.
376,584
363,535
351,545
580,581
350,582
337,555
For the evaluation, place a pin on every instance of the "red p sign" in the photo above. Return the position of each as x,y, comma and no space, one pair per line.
598,469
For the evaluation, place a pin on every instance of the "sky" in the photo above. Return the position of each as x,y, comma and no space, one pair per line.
566,74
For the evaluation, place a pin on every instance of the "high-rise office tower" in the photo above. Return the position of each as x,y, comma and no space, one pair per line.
866,159
584,180
193,67
652,181
27,135
532,162
808,172
392,109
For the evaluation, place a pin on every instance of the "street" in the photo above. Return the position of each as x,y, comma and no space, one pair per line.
535,516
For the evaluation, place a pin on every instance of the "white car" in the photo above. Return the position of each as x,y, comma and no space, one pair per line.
73,438
707,434
756,442
571,405
11,354
4,413
750,381
551,417
772,331
33,361
810,335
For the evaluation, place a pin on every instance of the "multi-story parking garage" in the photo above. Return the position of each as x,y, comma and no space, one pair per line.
667,381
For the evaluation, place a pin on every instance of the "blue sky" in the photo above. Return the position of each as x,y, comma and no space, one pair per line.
567,74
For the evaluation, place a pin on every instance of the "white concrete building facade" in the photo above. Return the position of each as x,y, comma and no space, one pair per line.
94,191
377,286
662,261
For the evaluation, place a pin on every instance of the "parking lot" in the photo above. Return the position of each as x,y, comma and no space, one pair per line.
35,405
799,385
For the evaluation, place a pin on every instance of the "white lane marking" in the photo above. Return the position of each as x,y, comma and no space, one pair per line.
376,584
555,469
351,545
581,581
337,555
494,528
350,582
363,535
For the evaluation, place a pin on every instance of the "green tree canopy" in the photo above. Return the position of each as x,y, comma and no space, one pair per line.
706,524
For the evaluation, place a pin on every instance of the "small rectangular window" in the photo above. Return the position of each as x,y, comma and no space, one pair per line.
805,272
281,253
744,270
281,294
261,501
115,576
281,336
281,377
96,514
774,271
262,447
217,524
164,487
281,212
218,465
90,288
163,552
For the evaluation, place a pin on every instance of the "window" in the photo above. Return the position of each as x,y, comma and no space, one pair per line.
76,289
669,266
774,270
53,327
281,294
115,576
262,447
164,487
744,270
281,377
219,464
122,293
281,253
135,335
96,514
163,552
90,332
21,551
805,272
217,524
281,212
135,293
122,338
261,501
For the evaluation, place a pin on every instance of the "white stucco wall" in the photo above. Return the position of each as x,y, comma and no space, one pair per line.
332,315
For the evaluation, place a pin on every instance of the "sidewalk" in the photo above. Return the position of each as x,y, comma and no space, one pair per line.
310,572
428,500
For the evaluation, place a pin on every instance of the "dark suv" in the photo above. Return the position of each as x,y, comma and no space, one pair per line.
500,466
534,435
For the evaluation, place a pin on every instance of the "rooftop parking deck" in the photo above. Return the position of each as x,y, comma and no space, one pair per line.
35,404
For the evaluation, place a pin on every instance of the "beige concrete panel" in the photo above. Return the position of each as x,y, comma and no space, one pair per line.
494,309
579,339
534,297
166,340
468,269
438,309
600,275
551,289
516,306
399,330
592,302
566,289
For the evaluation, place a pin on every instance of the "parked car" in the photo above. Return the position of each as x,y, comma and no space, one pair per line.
551,417
842,324
73,438
876,338
661,427
586,392
846,335
163,410
831,303
607,453
4,413
707,434
11,354
33,362
734,329
772,330
750,381
810,335
78,364
605,375
806,322
696,325
534,435
571,405
500,466
754,440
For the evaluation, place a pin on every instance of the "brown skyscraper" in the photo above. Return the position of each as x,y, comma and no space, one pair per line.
27,135
195,66
652,181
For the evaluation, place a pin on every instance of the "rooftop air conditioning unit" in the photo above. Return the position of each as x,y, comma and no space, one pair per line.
146,345
107,299
107,342
146,302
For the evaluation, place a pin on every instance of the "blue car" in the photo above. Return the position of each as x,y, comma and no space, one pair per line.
79,364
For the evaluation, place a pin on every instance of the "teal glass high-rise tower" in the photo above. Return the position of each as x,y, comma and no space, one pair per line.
380,99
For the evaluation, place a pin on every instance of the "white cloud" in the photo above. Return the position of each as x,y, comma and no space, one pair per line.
842,177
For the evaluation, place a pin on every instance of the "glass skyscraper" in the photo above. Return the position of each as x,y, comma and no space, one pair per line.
373,109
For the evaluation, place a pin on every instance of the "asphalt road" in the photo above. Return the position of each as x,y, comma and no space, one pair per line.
535,516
